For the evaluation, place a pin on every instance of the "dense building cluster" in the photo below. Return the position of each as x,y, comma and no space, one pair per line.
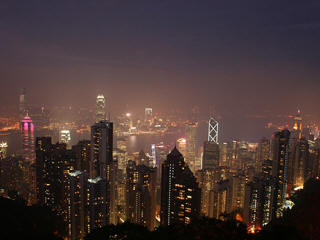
97,182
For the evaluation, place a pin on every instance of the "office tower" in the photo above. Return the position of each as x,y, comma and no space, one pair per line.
280,151
191,145
100,108
121,157
75,200
210,155
29,171
97,214
258,205
213,131
65,137
180,194
148,116
82,154
206,179
102,164
101,149
52,161
263,153
140,194
301,159
3,150
297,126
229,195
22,104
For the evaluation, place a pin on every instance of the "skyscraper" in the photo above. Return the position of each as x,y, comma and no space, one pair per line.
101,149
263,153
280,151
29,171
210,155
191,145
258,205
76,196
213,131
52,161
180,194
100,108
300,163
102,164
140,194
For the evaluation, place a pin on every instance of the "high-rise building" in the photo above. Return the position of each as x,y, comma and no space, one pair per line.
52,161
98,213
301,159
191,145
82,154
100,108
229,195
213,131
65,137
258,207
263,153
75,198
210,155
102,163
180,194
140,194
101,149
29,171
280,152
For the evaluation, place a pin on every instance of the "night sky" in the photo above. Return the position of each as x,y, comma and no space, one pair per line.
240,57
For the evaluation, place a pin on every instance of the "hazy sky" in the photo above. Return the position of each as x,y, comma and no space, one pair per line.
240,56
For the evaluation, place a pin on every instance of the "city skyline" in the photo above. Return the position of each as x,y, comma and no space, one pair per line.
160,119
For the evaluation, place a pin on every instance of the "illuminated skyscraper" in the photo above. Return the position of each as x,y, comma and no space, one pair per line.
82,153
191,145
280,152
102,164
65,137
210,155
100,108
258,205
101,149
300,163
52,161
76,208
263,153
180,194
140,194
29,171
213,131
